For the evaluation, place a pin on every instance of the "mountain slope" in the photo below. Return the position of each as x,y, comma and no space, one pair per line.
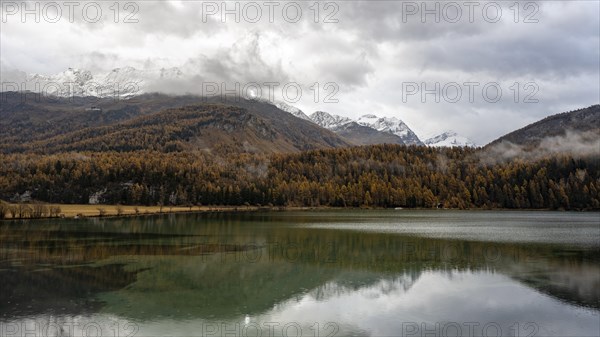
197,127
585,120
291,109
29,117
155,121
363,135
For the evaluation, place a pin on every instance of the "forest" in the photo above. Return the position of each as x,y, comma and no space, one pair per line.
368,176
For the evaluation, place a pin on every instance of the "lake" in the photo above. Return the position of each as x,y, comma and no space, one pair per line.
313,273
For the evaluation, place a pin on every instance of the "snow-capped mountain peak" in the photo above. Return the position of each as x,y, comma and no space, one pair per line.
120,82
291,109
71,75
391,125
329,121
125,75
449,138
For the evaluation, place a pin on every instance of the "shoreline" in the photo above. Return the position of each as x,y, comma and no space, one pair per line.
77,211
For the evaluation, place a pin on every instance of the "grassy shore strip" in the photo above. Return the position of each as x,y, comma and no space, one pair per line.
74,211
85,210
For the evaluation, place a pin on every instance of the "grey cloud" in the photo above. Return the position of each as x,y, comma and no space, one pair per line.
369,53
350,70
561,42
243,62
11,75
97,61
162,18
508,55
383,21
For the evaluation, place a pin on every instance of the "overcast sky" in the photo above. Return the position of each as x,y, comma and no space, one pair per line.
374,51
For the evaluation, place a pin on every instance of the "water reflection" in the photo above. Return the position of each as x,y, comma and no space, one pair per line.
209,274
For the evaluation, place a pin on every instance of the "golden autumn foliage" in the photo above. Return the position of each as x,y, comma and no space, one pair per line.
374,176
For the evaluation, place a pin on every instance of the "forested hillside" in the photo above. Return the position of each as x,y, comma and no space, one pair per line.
378,175
154,122
161,150
583,121
209,127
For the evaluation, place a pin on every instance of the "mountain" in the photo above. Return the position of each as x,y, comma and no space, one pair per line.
195,127
129,82
352,131
363,135
391,125
119,82
329,121
449,139
291,109
583,121
28,117
154,121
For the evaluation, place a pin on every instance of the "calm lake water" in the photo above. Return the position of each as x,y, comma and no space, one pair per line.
323,273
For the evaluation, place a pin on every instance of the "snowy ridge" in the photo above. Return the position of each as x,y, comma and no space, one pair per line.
386,124
291,109
284,107
391,125
329,121
119,82
449,139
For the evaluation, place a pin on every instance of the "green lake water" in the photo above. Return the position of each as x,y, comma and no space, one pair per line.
317,273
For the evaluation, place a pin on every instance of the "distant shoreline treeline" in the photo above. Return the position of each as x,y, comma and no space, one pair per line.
374,176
